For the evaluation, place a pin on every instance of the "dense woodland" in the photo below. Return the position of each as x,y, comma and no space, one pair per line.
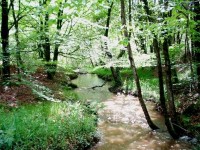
43,41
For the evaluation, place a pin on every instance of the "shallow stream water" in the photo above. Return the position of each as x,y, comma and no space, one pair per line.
122,125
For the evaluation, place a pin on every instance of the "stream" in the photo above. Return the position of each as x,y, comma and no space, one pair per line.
122,125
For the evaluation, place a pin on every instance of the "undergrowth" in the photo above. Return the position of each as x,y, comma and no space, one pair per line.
46,126
148,80
104,73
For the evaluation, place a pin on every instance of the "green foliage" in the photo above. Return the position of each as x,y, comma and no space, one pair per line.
176,51
83,24
46,126
104,73
69,94
148,80
196,147
143,72
150,88
124,42
186,120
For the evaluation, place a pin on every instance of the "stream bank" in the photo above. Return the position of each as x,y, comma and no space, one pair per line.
122,125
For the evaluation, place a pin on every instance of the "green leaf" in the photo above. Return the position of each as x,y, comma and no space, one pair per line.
51,22
124,42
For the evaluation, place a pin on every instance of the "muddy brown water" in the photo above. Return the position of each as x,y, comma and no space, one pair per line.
122,125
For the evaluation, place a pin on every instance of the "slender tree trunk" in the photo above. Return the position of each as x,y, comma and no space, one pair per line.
142,42
168,122
18,55
161,90
168,74
130,16
188,53
108,19
55,54
5,40
115,71
59,26
47,48
57,44
41,33
16,25
44,43
41,40
47,41
172,109
133,67
196,41
178,38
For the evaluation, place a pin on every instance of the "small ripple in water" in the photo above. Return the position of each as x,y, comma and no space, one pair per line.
122,123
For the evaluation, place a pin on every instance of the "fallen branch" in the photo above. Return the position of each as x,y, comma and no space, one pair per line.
97,86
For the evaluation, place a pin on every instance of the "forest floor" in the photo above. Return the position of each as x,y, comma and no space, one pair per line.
35,89
21,92
188,104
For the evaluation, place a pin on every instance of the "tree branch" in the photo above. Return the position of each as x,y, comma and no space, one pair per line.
97,86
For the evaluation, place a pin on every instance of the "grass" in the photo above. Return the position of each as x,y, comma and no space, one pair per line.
30,120
104,73
46,126
150,88
148,80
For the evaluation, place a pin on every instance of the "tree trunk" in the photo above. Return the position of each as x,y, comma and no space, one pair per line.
16,19
116,77
130,16
41,33
168,123
44,45
5,40
188,52
55,54
161,90
115,71
168,74
57,44
47,41
47,49
18,55
108,19
196,41
143,44
41,40
172,109
133,67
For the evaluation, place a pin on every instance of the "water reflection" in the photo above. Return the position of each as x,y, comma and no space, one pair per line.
85,91
122,123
